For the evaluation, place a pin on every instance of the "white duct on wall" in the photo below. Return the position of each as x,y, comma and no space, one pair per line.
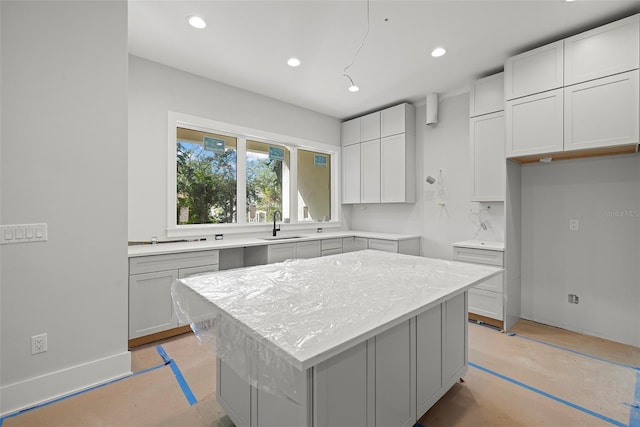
432,108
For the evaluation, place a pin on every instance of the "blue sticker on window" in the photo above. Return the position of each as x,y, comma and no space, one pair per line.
214,145
276,153
320,160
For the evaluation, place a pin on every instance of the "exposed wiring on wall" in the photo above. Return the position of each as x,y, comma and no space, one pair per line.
478,218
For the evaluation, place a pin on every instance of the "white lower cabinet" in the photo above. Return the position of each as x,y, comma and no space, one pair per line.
487,298
602,112
309,249
150,279
389,380
351,244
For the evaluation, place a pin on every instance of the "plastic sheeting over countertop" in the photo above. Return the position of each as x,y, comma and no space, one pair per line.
305,311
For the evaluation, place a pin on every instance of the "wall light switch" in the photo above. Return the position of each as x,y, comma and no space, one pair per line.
23,233
574,225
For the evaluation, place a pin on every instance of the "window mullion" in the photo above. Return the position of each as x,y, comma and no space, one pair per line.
241,180
293,185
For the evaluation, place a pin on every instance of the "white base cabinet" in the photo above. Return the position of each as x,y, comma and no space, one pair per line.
487,298
389,380
150,280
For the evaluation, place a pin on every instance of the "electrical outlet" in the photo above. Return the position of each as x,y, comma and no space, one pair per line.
574,225
573,299
38,343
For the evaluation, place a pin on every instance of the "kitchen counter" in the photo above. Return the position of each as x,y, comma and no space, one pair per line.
239,242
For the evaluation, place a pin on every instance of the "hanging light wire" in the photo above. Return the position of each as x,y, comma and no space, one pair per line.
353,87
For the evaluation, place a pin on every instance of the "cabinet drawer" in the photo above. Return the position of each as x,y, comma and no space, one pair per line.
478,256
494,284
486,303
332,252
190,271
331,244
148,264
383,245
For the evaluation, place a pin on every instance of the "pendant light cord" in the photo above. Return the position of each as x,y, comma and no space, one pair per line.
358,50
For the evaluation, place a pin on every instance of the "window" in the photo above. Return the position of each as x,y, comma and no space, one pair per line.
314,186
267,169
206,171
234,179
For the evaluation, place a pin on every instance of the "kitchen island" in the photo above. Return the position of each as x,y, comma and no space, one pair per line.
358,339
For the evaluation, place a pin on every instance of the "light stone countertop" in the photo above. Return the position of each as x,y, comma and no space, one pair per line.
256,240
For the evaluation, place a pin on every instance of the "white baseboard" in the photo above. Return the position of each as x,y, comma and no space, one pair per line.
45,388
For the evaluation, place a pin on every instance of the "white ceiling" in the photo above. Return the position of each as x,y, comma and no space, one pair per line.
247,43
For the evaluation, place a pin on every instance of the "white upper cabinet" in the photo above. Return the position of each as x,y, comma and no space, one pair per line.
535,124
370,171
487,140
535,71
351,132
397,169
398,119
351,174
487,95
370,127
375,169
610,49
602,112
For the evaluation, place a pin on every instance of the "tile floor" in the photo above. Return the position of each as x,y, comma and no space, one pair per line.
533,376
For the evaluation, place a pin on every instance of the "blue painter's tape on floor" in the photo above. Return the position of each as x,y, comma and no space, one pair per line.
635,368
186,390
550,396
634,414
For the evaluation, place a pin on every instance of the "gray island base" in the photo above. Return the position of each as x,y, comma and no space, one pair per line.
360,339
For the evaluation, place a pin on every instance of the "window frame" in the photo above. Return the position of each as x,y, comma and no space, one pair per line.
242,133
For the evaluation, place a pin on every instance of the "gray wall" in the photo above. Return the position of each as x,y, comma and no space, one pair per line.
155,89
442,147
600,262
63,162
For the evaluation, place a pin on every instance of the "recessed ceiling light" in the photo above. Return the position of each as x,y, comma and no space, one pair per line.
196,22
353,88
439,51
293,62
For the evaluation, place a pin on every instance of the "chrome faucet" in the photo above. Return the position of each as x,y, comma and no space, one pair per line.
274,222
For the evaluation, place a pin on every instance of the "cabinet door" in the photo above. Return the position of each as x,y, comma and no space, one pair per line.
150,303
393,175
487,151
370,172
308,249
351,132
370,128
351,174
281,252
429,357
455,347
341,389
487,95
602,113
394,120
348,244
535,124
604,51
486,303
234,394
395,377
360,243
535,71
